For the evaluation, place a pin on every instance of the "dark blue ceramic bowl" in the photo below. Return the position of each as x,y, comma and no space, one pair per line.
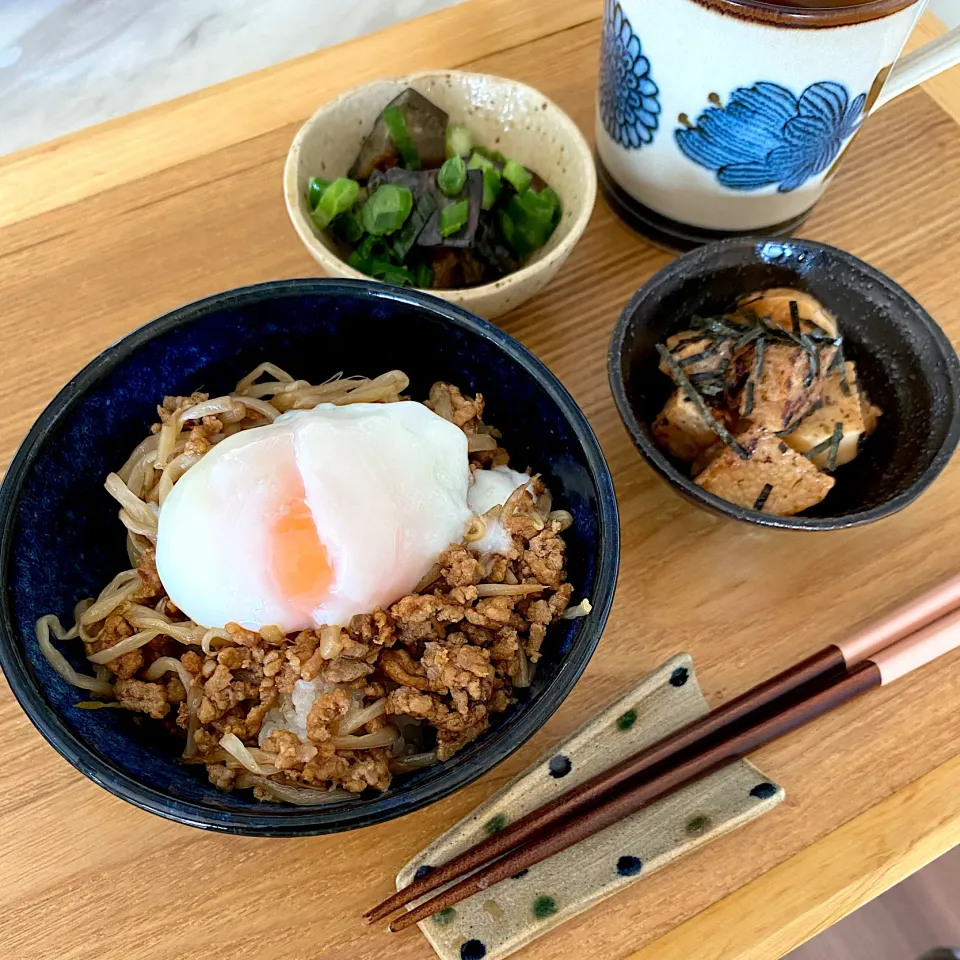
60,539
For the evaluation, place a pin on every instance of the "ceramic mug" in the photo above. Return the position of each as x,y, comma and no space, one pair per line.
726,117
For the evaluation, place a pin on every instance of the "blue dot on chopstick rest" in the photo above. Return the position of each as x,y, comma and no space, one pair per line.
559,766
422,871
473,950
629,866
763,791
679,677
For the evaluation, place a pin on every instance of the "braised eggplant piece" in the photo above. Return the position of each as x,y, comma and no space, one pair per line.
464,236
410,131
765,406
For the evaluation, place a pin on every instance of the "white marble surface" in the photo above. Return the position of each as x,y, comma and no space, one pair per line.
67,64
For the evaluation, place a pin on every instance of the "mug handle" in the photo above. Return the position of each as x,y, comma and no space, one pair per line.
932,58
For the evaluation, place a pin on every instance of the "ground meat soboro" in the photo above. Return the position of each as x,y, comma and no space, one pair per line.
447,656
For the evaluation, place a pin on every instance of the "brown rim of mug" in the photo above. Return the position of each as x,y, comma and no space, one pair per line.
783,15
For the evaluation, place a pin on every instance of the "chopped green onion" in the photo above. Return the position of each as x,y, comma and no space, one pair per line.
492,186
392,273
397,125
315,188
518,176
479,161
549,196
347,227
452,176
459,140
407,236
542,207
528,221
370,249
386,209
494,155
454,217
491,179
424,277
339,197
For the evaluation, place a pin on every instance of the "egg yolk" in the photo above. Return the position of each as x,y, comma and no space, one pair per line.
300,560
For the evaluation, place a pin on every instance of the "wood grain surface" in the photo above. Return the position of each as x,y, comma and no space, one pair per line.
108,228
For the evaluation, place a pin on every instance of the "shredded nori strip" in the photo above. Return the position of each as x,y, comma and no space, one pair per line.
748,399
707,354
839,366
686,340
752,334
717,325
761,351
834,446
822,447
761,501
709,384
681,380
795,316
837,362
832,443
814,407
813,357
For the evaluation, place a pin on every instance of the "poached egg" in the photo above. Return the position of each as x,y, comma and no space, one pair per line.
321,515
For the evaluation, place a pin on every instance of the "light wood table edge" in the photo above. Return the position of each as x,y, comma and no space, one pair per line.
815,888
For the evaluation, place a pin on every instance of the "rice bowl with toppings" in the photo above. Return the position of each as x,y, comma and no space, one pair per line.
311,328
388,604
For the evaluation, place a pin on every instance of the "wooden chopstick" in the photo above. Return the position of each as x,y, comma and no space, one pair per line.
828,662
882,668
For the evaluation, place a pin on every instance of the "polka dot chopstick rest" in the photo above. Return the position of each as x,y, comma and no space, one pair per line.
495,923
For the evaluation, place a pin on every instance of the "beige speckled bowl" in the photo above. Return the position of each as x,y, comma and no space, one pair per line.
502,115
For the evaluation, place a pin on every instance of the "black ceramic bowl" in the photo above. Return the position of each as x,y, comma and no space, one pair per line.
906,364
60,539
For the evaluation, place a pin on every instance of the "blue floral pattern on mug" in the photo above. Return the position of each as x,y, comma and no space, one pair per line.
629,104
766,135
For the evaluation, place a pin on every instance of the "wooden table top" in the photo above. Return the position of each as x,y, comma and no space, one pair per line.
105,229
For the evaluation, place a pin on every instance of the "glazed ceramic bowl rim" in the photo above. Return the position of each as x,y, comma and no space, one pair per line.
294,822
669,276
561,251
